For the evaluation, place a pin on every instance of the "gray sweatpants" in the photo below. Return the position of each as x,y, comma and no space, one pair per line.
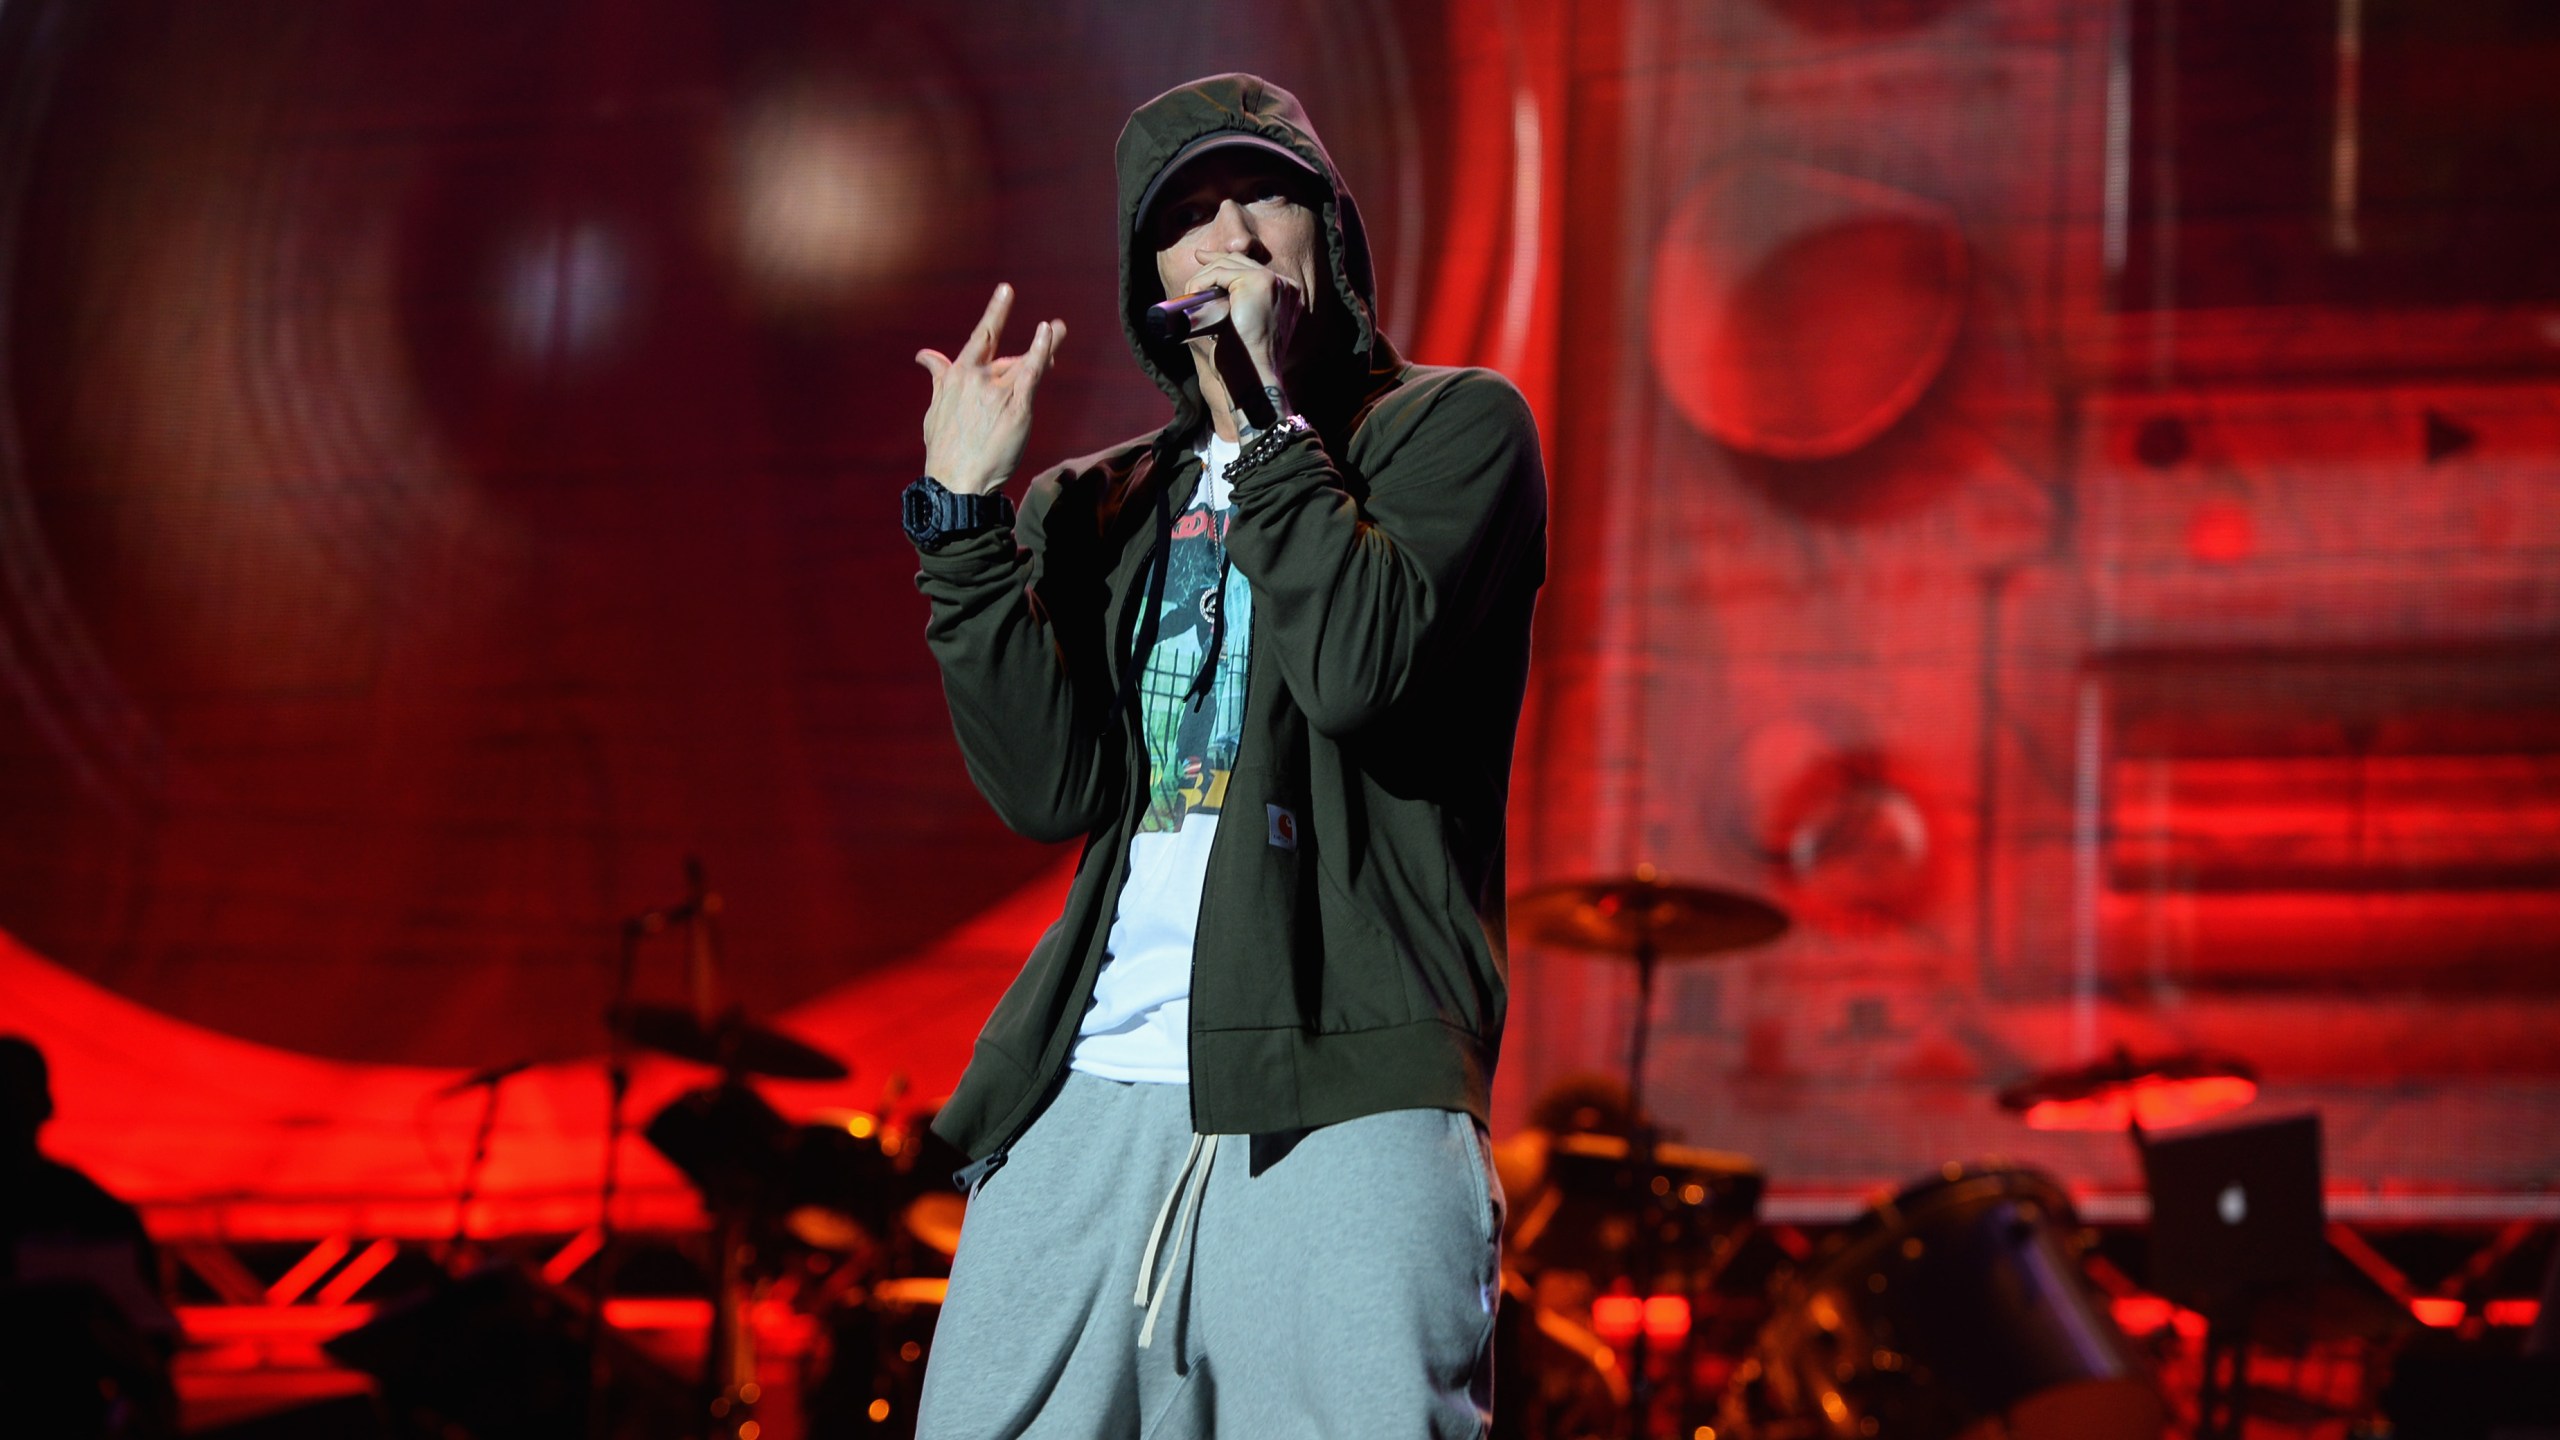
1334,1283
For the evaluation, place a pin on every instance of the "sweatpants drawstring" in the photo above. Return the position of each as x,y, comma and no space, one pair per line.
1190,1187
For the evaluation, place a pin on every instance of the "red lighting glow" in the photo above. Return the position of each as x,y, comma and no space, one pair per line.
362,486
1617,1318
1664,1319
2160,1103
2221,533
2436,1311
2142,1314
2444,1313
2150,1314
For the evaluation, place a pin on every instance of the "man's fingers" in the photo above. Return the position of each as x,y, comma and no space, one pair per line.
982,341
1044,349
935,363
1023,372
1212,259
1228,272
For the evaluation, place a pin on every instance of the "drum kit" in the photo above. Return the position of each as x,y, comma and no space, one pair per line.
1956,1309
849,1216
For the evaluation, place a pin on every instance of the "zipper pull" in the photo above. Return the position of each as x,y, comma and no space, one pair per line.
969,1177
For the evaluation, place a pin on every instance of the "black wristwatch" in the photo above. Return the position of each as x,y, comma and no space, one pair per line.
935,517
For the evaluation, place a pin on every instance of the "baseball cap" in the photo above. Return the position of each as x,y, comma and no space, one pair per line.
1214,140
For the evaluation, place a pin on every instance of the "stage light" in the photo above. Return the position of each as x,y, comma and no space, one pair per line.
2221,532
835,193
567,293
1662,1318
1617,1318
1666,1318
2140,1315
2437,1312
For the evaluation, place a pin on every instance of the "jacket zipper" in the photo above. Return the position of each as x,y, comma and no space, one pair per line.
969,1177
974,1175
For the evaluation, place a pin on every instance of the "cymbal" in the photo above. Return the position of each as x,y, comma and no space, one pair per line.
912,1290
1724,1164
1616,916
935,1218
2121,1090
732,1042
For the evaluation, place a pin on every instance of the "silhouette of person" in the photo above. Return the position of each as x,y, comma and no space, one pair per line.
85,1339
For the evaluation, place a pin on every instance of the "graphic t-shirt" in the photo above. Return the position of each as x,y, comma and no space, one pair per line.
1139,1025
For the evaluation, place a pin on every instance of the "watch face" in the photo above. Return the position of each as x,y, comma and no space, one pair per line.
918,505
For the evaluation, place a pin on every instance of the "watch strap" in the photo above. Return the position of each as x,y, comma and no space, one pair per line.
935,516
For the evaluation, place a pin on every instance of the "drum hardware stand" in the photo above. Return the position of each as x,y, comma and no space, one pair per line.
1646,919
1640,1151
729,1351
2223,1391
732,1162
617,1072
730,1337
729,1358
489,1082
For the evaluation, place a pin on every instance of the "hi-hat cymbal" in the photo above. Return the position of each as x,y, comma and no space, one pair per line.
732,1042
935,1217
1617,916
2156,1092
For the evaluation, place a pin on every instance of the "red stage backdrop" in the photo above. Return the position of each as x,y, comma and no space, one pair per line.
2053,495
2049,491
455,466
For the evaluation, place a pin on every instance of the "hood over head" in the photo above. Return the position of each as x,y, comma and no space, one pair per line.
1158,133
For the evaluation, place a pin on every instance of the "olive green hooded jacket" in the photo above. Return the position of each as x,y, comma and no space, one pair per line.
1350,953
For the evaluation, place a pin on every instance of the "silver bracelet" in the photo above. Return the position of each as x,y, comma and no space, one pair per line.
1267,443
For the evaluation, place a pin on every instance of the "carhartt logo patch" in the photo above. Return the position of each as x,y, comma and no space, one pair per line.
1284,828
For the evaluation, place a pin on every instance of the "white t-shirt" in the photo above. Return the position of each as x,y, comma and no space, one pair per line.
1139,1025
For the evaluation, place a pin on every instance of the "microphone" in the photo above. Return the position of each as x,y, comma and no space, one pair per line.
1172,319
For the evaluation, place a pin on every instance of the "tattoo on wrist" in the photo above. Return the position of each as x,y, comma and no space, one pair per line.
1255,418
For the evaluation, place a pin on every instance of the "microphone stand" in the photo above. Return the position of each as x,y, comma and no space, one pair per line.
694,913
617,1070
490,1083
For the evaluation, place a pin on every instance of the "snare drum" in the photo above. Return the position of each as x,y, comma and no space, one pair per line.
1955,1309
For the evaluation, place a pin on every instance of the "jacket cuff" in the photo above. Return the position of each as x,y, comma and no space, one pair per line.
962,558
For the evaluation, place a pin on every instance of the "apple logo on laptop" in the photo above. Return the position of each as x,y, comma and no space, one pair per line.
2232,1204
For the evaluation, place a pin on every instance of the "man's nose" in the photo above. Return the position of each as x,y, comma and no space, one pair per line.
1231,223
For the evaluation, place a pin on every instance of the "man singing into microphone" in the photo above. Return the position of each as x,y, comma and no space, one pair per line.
1266,663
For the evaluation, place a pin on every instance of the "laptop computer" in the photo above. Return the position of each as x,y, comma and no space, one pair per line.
2236,1212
